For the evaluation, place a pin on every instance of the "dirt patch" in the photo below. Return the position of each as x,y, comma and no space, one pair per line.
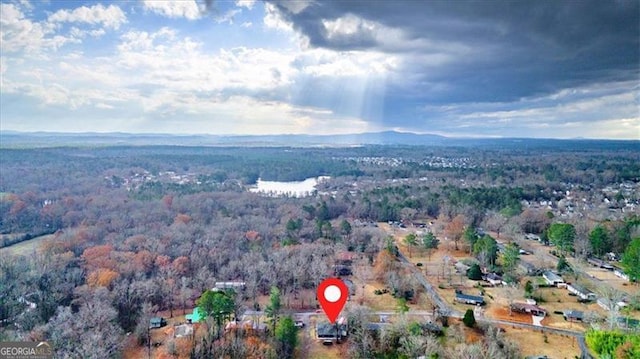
473,335
502,313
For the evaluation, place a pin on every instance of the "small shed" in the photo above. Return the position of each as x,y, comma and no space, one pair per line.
157,322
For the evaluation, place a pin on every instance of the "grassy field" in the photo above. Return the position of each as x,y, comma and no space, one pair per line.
537,343
25,247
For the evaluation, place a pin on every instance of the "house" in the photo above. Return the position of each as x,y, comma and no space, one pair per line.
527,267
573,315
157,322
342,270
552,278
528,309
628,323
469,299
620,273
599,263
581,292
228,285
328,333
345,258
494,279
247,324
606,304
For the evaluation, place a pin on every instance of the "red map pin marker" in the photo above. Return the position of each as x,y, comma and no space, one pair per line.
332,295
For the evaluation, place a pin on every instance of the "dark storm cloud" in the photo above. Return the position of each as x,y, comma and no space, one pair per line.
497,51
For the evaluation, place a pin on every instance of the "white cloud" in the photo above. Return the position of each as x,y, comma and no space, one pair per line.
297,6
3,69
79,34
17,32
174,8
607,110
326,63
228,16
161,81
246,24
110,17
246,3
273,19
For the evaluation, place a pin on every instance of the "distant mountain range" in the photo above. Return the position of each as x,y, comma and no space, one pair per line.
45,139
13,139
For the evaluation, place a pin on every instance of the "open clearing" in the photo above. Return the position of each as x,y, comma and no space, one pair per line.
25,248
537,343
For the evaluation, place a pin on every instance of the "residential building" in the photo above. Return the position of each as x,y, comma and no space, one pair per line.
573,315
469,299
157,322
581,292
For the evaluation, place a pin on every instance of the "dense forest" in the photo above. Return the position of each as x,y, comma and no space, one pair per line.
136,230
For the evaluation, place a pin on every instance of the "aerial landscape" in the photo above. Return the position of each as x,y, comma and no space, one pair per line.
188,179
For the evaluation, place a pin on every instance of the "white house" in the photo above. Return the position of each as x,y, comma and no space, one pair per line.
606,304
494,279
581,292
620,273
552,278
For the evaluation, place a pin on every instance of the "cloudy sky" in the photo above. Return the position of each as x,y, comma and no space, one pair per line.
559,69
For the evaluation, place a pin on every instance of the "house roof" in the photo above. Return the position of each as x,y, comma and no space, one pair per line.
325,329
576,314
469,297
527,307
580,289
228,285
156,320
630,322
345,256
552,276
